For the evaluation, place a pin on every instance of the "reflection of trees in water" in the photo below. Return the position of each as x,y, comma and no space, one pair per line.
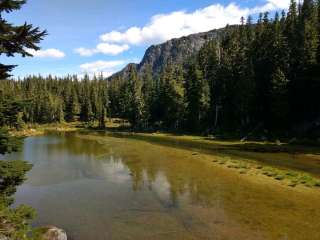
64,157
76,145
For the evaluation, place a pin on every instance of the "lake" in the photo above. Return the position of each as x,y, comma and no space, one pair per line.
125,188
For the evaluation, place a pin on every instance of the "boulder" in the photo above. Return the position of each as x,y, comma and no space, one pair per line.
54,233
3,237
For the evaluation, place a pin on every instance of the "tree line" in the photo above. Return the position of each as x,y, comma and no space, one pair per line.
255,76
36,99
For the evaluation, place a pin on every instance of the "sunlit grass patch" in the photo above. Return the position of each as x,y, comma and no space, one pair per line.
279,177
292,174
305,179
317,184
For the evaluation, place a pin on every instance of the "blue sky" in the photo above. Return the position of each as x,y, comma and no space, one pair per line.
104,35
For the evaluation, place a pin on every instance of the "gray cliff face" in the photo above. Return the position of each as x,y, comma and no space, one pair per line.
176,51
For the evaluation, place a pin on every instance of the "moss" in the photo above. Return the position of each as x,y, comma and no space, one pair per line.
291,174
305,179
279,177
317,184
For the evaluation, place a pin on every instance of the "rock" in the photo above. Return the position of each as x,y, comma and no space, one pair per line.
3,237
54,233
177,51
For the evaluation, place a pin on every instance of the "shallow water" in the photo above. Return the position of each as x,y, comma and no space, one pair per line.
130,189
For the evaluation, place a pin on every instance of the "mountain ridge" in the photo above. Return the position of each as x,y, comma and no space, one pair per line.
177,50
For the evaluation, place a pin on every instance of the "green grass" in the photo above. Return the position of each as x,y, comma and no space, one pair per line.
279,177
290,177
317,184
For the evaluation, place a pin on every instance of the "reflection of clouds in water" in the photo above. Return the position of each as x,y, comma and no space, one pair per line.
165,193
69,168
57,160
115,171
161,187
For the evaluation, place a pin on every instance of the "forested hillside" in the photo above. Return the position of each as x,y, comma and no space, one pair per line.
257,77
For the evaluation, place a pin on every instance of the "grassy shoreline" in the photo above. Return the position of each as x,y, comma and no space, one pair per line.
291,165
31,130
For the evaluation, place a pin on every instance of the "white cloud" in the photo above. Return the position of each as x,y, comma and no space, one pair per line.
47,53
105,48
112,49
272,5
85,51
163,27
279,4
177,24
107,68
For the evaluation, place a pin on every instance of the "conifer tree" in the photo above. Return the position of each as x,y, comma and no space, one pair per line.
209,64
86,114
13,40
309,24
72,106
171,97
134,101
196,97
148,94
318,27
16,39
